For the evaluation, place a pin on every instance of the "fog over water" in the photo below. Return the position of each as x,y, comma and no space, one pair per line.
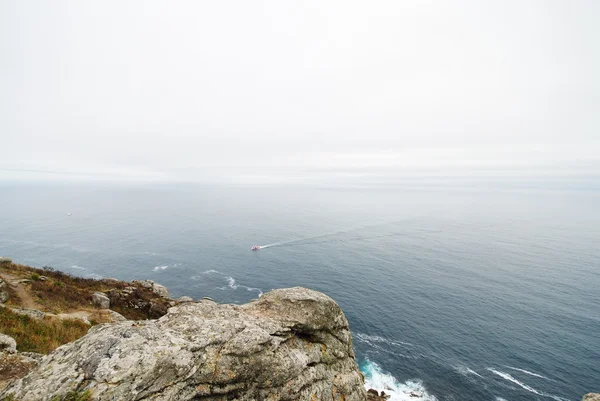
269,91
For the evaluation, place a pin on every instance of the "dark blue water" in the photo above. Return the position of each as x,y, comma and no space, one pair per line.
461,292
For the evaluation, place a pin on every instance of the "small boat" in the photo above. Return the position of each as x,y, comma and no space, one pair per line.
255,247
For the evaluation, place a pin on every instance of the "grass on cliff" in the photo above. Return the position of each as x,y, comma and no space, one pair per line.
70,396
59,292
40,336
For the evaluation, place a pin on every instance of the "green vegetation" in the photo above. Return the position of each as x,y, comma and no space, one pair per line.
74,396
40,336
57,291
70,396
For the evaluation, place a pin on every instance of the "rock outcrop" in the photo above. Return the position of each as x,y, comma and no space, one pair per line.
291,344
156,288
3,291
101,300
15,365
7,344
591,397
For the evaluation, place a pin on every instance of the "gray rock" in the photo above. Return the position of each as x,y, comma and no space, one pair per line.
143,283
7,344
101,300
33,355
161,290
33,313
156,288
3,293
14,366
116,317
184,299
291,344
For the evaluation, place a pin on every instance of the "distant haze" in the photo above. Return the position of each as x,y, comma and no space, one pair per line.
275,90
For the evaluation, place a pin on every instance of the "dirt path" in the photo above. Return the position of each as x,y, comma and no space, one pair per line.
27,300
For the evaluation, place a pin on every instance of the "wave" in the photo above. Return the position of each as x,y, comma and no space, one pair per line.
158,268
529,373
77,267
370,339
379,380
466,371
511,379
231,283
95,276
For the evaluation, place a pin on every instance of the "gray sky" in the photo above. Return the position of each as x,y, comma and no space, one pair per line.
158,90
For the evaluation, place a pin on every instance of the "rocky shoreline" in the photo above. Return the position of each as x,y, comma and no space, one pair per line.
290,344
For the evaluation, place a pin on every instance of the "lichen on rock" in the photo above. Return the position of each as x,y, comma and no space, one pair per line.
291,344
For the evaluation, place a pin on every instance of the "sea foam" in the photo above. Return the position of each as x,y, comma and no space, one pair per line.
231,283
379,380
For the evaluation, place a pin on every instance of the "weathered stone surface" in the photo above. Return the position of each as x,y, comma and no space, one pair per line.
291,344
3,293
140,299
7,344
184,299
373,395
101,300
591,397
15,366
33,313
156,288
116,317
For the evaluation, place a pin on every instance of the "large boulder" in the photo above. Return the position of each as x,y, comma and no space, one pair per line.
156,288
591,397
101,300
7,344
291,344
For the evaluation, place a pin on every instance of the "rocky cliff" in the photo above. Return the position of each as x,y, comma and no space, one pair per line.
291,344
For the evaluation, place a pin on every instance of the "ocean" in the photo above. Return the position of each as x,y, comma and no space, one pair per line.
457,291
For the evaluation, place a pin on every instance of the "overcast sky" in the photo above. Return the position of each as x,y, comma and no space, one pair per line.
189,90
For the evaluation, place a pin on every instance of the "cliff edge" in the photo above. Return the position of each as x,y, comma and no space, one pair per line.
291,344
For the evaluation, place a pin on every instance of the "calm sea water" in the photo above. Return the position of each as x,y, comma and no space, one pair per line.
454,292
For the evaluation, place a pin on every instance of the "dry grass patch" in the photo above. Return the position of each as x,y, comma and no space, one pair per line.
57,291
40,336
